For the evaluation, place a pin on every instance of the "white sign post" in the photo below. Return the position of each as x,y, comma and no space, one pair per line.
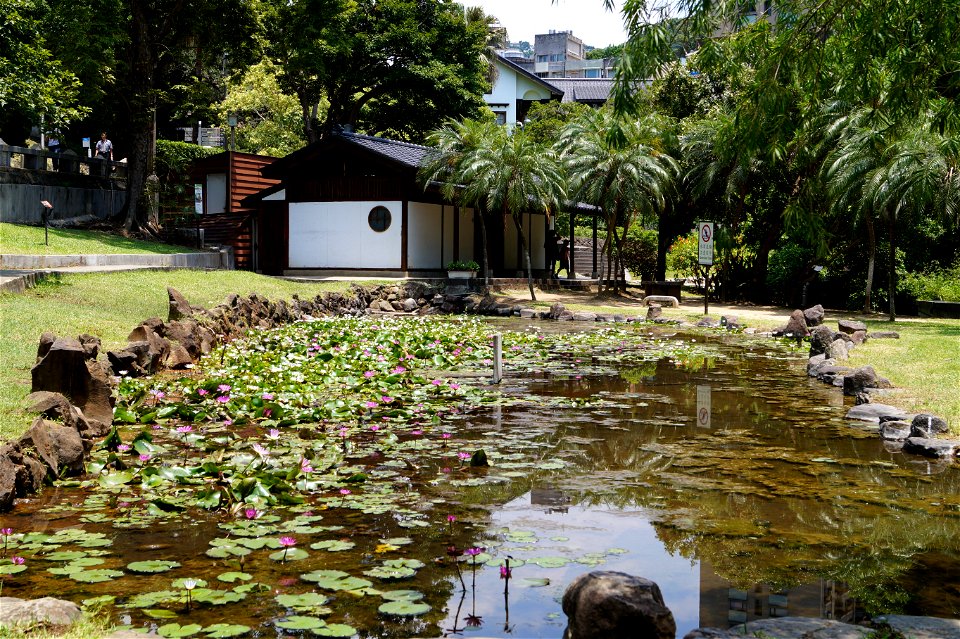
703,406
705,257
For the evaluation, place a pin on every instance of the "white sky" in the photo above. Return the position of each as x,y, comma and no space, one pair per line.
588,20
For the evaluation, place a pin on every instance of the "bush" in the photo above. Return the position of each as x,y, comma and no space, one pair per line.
640,253
934,285
787,270
173,161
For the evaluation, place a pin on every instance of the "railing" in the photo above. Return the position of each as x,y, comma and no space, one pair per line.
18,157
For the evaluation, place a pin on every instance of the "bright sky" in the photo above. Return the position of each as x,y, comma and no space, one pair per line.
588,20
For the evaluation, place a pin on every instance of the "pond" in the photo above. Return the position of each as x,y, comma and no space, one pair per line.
325,480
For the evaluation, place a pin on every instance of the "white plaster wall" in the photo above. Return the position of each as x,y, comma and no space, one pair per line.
216,192
537,233
423,236
466,236
504,91
510,244
448,238
337,235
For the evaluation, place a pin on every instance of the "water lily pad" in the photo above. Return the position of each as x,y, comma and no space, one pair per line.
300,622
220,630
617,551
387,572
335,580
231,577
150,599
176,630
102,600
95,576
66,555
289,554
197,583
218,597
11,569
522,536
153,565
305,600
534,582
332,545
404,608
397,541
402,595
550,562
160,613
502,561
335,630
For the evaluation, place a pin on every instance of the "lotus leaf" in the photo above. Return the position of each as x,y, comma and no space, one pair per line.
386,572
95,576
220,630
402,595
534,582
160,613
501,561
197,583
299,622
254,586
176,630
305,600
404,608
289,554
335,630
549,562
231,577
153,565
335,580
116,479
66,555
218,597
149,599
11,569
95,602
332,545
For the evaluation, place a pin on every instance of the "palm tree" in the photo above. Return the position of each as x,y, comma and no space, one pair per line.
496,39
514,174
625,174
454,144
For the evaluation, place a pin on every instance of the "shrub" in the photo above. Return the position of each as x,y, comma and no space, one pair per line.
934,285
457,265
640,252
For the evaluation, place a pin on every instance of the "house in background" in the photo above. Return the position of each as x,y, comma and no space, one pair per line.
353,204
226,179
515,89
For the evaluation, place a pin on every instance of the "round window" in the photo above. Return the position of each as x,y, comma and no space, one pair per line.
379,219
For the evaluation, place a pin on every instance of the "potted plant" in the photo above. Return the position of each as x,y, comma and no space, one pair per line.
457,270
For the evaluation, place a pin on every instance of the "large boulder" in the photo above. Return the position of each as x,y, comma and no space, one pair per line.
942,448
786,628
614,605
796,326
851,326
59,447
861,378
179,307
556,310
895,430
876,413
8,483
813,315
65,369
45,611
837,350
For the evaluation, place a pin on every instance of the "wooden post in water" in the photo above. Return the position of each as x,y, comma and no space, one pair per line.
497,358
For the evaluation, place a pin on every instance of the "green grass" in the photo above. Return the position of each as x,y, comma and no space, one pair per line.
19,239
109,305
924,365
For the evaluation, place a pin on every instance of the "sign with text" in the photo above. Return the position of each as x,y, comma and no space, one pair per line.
705,243
703,406
198,199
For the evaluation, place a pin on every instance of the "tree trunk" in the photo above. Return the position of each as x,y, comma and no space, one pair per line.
762,261
892,278
872,239
483,240
526,255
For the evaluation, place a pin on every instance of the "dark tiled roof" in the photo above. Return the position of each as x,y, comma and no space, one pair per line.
589,90
403,152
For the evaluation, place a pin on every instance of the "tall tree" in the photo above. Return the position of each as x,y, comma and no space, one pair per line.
384,66
629,176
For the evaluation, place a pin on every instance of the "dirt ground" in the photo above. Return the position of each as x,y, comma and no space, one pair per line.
691,307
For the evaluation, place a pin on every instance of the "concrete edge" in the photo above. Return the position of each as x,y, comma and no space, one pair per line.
215,260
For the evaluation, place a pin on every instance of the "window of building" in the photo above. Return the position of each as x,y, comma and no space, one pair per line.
379,219
501,117
592,73
541,58
556,57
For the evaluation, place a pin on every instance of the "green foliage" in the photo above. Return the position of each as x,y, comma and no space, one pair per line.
788,267
609,51
941,284
640,252
457,265
172,165
269,122
682,257
547,119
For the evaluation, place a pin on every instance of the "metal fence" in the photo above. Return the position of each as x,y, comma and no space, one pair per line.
18,157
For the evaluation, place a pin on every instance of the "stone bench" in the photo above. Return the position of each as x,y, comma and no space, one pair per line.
661,299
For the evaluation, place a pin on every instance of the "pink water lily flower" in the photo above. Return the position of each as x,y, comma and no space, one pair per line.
287,542
369,374
223,388
267,396
202,391
371,404
223,399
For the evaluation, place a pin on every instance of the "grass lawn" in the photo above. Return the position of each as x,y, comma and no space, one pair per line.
924,365
20,239
108,305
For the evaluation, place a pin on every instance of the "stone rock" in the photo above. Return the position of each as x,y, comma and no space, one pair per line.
179,307
730,322
837,350
528,313
707,322
179,357
385,306
814,363
654,311
922,627
410,305
90,344
556,310
813,316
926,425
875,412
851,326
584,316
186,333
46,341
863,397
59,447
124,362
52,406
929,447
65,369
884,335
831,374
614,605
858,337
151,349
48,610
859,379
895,430
786,628
8,483
820,338
564,316
796,325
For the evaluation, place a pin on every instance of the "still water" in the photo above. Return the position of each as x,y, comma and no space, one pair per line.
728,478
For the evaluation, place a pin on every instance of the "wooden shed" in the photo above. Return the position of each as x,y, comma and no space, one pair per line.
226,179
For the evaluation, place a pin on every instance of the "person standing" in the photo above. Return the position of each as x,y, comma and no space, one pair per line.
104,147
550,248
564,256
